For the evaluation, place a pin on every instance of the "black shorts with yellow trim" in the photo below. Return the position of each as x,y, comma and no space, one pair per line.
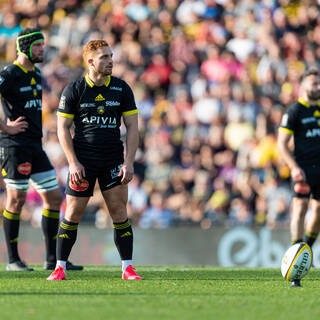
312,173
108,177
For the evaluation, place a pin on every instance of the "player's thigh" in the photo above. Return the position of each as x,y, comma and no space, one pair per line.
109,176
84,189
75,208
15,200
299,207
52,199
116,200
40,160
313,179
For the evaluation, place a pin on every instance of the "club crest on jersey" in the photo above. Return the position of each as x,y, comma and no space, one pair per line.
24,168
316,114
84,185
100,109
99,97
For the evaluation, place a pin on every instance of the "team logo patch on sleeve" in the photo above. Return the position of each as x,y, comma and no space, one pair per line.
24,168
284,121
82,187
62,102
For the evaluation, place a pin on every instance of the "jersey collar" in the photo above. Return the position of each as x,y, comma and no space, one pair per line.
92,84
21,67
305,103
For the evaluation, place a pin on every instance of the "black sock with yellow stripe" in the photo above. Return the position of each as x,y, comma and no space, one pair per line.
67,236
310,238
50,225
11,222
123,238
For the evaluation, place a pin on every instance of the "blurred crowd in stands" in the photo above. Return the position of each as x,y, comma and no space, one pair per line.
211,80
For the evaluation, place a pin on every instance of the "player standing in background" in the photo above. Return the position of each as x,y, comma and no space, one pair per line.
95,105
21,155
302,122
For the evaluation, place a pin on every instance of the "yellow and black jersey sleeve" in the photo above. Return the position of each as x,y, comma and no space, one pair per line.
290,120
128,105
68,101
6,80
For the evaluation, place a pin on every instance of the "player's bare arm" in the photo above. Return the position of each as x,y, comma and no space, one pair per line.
14,127
297,173
77,172
132,143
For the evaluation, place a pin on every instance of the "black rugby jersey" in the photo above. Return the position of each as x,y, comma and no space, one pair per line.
96,112
21,95
303,121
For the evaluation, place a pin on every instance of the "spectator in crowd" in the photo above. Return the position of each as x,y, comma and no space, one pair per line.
211,79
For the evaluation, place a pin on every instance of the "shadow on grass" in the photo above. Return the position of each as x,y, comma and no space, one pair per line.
146,275
164,275
110,293
71,293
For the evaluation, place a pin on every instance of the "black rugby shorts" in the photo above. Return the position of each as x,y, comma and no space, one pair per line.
313,180
19,162
107,179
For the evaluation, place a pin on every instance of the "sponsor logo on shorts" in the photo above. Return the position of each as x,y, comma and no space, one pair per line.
302,188
25,168
115,171
84,185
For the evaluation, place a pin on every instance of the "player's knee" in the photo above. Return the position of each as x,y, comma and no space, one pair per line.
56,198
73,216
16,202
118,214
52,199
300,206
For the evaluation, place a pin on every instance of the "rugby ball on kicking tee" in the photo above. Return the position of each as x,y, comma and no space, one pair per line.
296,261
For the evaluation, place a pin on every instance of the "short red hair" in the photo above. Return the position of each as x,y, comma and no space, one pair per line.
93,46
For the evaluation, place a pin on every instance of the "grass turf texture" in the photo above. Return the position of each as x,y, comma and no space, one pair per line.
171,292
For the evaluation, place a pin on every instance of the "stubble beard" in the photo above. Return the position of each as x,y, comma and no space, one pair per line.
313,95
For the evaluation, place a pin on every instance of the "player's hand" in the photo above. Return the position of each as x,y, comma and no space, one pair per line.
297,174
16,126
77,173
126,172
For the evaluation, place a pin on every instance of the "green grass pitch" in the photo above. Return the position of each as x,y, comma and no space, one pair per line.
167,292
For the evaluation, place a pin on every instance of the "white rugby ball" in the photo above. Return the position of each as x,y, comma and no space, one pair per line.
296,261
